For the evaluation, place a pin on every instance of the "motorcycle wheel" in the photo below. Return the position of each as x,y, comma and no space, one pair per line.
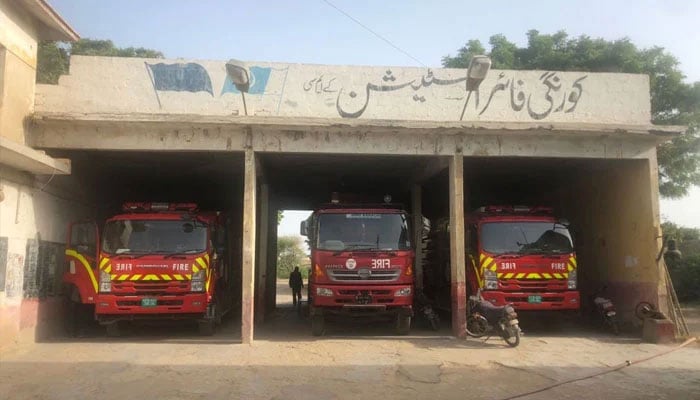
512,336
644,310
477,326
614,325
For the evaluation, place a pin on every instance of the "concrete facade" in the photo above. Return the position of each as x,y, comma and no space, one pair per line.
36,203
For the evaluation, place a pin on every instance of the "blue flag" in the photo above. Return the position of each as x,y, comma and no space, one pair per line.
190,77
258,81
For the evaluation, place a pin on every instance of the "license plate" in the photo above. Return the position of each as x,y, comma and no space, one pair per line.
534,299
149,302
363,299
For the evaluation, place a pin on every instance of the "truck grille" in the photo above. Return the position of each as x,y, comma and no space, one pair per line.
145,288
362,274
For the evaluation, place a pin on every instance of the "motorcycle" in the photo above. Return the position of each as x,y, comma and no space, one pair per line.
605,309
484,318
425,308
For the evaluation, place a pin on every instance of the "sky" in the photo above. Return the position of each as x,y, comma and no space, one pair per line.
311,31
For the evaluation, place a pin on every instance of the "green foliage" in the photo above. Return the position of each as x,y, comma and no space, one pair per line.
53,58
290,254
686,278
672,100
280,216
52,62
679,233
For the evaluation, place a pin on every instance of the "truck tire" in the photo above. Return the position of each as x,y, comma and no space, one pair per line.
206,328
318,325
114,329
71,321
403,323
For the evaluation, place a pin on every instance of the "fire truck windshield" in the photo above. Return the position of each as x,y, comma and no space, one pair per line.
363,232
153,236
525,238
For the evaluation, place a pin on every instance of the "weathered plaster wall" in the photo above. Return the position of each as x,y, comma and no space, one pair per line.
34,210
127,85
34,214
18,47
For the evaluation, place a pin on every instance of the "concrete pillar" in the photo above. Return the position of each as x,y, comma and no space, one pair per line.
248,270
417,210
459,294
263,235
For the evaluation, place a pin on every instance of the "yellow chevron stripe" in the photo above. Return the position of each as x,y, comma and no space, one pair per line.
151,277
509,275
109,268
572,260
123,277
86,265
178,277
166,277
201,263
499,275
546,275
195,268
566,275
113,277
557,275
533,275
104,261
520,275
188,276
135,277
569,267
481,257
206,258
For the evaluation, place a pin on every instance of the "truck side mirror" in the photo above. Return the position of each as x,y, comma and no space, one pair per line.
303,229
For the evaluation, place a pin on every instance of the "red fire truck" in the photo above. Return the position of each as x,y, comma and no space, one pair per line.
522,255
153,261
362,263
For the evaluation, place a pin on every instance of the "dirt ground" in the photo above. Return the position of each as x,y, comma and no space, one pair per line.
351,361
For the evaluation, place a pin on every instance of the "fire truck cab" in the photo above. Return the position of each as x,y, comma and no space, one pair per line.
523,256
362,263
153,261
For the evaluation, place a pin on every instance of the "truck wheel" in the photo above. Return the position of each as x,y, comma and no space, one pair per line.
318,325
206,328
113,329
71,322
403,324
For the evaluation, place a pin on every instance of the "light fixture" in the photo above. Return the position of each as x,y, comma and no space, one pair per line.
239,75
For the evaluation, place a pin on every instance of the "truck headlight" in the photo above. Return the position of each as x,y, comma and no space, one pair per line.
197,283
105,282
571,281
403,292
490,280
321,291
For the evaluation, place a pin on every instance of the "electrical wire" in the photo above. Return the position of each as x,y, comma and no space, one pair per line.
375,33
614,368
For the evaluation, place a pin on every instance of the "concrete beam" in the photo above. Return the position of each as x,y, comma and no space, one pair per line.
248,264
196,135
27,159
457,249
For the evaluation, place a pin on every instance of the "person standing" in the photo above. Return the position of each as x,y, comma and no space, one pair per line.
296,283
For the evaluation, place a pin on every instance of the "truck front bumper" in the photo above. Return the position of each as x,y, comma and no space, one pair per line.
542,301
115,307
363,299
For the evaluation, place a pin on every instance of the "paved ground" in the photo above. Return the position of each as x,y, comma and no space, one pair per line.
353,361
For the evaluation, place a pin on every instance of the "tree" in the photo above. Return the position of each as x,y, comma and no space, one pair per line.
290,254
673,102
53,58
